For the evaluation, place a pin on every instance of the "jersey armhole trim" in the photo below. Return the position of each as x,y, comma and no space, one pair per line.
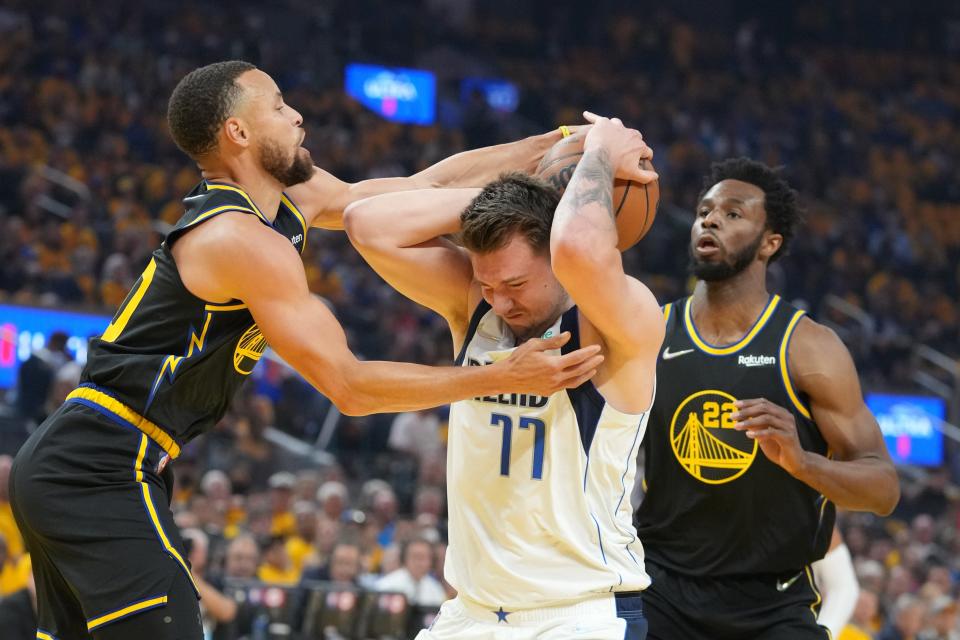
475,319
785,366
285,199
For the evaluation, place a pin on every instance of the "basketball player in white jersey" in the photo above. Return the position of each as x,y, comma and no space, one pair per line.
541,539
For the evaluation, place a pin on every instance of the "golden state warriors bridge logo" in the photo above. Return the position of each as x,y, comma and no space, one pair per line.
249,349
704,440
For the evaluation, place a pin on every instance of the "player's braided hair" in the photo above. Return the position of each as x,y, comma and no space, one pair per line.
200,104
780,200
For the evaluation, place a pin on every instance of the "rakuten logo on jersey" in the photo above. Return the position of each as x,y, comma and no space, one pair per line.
756,361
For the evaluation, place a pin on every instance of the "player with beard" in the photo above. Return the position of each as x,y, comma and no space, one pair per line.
90,489
758,430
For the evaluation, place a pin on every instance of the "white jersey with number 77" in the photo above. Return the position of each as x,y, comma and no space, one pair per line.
539,487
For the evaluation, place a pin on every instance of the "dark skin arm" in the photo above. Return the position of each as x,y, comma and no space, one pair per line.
860,476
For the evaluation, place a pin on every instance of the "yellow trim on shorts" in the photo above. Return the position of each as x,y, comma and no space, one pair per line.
126,611
743,342
784,370
816,603
43,635
113,405
141,452
152,512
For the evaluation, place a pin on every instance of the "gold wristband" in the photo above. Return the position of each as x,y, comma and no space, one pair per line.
565,131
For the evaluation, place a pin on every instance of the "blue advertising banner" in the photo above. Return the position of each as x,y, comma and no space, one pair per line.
24,329
909,426
400,95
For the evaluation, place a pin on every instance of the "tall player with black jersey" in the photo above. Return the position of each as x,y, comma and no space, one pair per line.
89,489
758,430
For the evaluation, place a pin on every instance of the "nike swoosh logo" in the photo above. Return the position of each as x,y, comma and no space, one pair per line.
783,586
676,354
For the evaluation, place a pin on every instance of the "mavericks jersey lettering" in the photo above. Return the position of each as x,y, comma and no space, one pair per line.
539,487
173,358
715,505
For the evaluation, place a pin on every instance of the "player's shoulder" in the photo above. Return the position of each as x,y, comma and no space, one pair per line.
810,334
228,234
815,348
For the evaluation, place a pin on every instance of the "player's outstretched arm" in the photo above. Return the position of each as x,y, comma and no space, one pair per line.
235,256
323,198
859,475
583,243
401,236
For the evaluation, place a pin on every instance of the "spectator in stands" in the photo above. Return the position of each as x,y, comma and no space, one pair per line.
241,565
328,533
415,433
343,568
908,619
301,545
18,614
333,497
863,623
283,523
307,485
276,567
36,376
383,504
242,559
413,579
942,620
14,570
8,527
216,607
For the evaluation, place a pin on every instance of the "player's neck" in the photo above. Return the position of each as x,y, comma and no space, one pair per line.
731,306
262,188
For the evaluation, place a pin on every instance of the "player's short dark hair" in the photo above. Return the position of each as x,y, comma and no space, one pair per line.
513,203
200,104
780,200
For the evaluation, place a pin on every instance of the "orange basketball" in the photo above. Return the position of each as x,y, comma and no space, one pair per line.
634,204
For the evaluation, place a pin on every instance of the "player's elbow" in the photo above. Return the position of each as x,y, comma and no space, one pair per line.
351,405
333,374
348,391
890,498
355,223
348,397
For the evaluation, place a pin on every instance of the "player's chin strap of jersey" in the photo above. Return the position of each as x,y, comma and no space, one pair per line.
101,401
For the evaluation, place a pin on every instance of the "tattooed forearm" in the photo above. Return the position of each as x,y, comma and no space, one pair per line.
592,181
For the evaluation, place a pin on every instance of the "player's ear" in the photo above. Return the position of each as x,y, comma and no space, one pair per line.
770,245
236,131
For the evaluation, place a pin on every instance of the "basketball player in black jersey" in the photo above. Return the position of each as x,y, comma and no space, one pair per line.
758,430
89,488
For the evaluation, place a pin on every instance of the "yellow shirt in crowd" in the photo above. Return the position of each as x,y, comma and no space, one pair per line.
9,531
272,575
14,575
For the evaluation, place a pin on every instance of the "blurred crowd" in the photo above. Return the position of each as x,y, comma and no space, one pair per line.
859,103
